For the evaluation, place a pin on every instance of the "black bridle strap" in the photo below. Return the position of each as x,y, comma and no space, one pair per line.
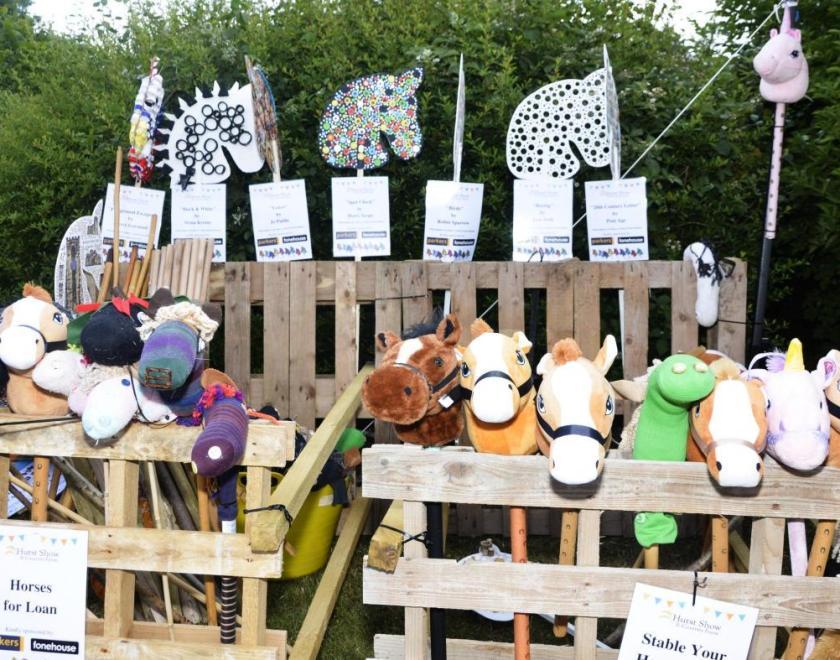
49,346
833,408
523,389
569,429
434,388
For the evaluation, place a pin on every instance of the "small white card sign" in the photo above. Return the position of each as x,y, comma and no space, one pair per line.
361,217
281,221
664,625
137,205
542,220
200,212
43,592
616,218
453,213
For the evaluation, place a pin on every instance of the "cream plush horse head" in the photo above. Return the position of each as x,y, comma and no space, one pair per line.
497,391
575,410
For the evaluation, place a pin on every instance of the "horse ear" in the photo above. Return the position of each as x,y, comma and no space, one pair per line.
449,330
210,377
630,389
773,32
609,350
522,342
413,77
35,291
760,375
479,327
796,34
384,340
826,369
545,364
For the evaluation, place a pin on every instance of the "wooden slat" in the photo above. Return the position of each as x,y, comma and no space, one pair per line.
100,648
4,486
386,544
388,316
268,528
587,319
416,618
391,647
268,444
314,626
511,298
456,476
560,298
417,299
276,320
346,327
636,305
659,274
237,324
254,590
302,342
174,551
684,330
120,511
588,554
592,592
766,549
730,334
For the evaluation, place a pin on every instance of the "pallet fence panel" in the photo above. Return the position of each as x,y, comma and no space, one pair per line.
388,316
511,298
559,302
766,550
417,299
730,333
587,314
346,325
276,323
636,313
255,590
684,330
588,554
238,325
302,341
416,618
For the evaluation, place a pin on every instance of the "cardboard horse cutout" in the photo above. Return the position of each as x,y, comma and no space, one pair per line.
411,386
30,328
575,410
498,392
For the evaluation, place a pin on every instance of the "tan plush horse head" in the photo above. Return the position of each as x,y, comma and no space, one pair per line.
497,391
729,427
575,410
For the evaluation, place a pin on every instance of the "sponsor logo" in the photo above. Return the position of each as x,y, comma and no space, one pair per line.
54,646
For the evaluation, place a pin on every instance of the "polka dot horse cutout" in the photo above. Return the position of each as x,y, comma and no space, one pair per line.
362,111
547,122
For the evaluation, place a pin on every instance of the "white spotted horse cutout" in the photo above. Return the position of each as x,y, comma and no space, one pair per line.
547,122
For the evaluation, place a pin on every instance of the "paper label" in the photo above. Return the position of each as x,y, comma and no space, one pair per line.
200,212
43,591
137,205
664,625
361,217
542,220
453,214
281,221
616,219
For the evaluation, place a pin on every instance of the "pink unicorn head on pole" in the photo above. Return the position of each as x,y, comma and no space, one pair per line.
782,65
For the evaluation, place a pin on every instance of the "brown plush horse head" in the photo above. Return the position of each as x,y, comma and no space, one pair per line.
575,410
411,385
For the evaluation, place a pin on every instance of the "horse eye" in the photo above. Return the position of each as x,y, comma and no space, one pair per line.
610,406
465,370
58,318
697,411
794,53
821,405
768,404
520,358
438,362
540,403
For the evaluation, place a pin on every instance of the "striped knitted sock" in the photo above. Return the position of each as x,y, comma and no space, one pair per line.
222,443
168,356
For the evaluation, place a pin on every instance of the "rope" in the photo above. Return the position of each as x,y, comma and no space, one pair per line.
422,537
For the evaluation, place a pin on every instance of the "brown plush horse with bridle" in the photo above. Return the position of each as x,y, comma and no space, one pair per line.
412,384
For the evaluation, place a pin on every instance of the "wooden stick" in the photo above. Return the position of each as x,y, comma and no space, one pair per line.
196,252
41,481
198,285
208,263
144,269
117,177
519,554
177,267
652,556
104,283
568,545
129,272
167,598
720,544
204,518
136,274
51,503
170,491
184,279
78,481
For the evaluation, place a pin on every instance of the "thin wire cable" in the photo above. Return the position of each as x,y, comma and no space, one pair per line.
717,73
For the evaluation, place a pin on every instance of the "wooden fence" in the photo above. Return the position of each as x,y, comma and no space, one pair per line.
586,590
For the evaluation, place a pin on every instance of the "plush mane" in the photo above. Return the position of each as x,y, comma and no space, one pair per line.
424,327
725,369
566,350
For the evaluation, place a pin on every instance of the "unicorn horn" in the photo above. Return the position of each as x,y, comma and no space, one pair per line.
793,358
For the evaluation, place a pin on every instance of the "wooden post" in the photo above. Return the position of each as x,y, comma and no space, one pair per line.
121,511
720,544
519,555
589,554
766,549
568,542
255,591
117,176
416,618
41,481
204,526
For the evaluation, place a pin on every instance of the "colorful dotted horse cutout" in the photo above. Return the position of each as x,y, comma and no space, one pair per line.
362,111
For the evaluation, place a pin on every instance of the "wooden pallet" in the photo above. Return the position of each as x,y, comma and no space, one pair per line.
588,591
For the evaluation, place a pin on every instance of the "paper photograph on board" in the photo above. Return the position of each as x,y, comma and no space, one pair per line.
200,212
137,205
542,220
361,218
453,214
280,221
616,220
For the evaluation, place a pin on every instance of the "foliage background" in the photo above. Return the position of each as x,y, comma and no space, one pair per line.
65,102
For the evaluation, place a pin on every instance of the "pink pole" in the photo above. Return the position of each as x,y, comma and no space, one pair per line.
775,173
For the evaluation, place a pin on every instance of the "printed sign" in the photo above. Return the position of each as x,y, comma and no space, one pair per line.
664,625
43,592
361,218
200,212
616,219
542,220
137,206
453,213
281,221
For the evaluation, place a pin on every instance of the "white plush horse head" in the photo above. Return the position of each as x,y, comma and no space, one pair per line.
575,410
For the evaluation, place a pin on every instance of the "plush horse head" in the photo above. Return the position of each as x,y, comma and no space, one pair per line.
782,65
729,427
416,374
575,410
828,371
498,392
797,414
30,328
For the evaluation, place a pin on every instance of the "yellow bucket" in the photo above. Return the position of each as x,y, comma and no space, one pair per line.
312,531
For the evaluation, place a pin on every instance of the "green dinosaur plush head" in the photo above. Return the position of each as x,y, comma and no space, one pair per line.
681,380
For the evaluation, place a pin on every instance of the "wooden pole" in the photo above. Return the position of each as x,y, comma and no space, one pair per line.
184,275
568,545
519,555
720,544
40,480
117,177
204,526
167,598
104,283
652,556
129,272
205,275
197,269
150,248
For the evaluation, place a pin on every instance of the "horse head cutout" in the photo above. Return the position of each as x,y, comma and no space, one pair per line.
498,392
575,410
411,386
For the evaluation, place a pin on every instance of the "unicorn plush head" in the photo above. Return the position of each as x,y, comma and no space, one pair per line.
782,65
797,414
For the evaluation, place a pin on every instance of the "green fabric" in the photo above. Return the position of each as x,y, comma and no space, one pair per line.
350,439
655,528
74,330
